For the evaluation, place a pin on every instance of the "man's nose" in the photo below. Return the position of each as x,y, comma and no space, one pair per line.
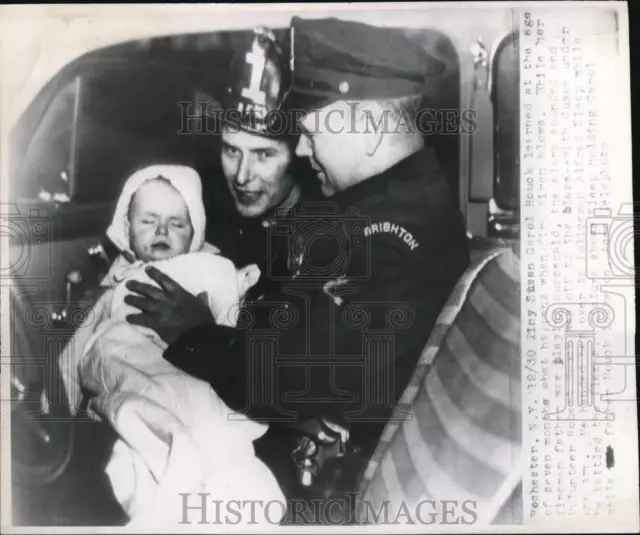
243,175
303,148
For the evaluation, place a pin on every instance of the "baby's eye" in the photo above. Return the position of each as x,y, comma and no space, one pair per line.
179,224
147,221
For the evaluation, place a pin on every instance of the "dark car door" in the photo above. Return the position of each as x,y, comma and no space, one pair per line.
84,134
74,147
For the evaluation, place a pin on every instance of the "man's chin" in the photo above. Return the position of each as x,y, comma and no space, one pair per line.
250,211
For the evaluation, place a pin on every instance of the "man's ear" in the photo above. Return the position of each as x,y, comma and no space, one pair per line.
247,277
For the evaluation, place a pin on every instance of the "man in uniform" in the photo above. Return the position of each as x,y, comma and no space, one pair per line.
338,341
262,175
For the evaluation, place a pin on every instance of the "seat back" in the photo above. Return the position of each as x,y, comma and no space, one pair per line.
460,434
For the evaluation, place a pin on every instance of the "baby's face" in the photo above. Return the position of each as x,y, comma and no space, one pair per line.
159,222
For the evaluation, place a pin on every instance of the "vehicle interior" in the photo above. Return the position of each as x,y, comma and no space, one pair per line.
114,110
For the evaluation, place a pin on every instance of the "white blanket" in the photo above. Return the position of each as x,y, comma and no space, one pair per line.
177,437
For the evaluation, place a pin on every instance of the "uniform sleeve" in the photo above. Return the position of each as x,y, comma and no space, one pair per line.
194,352
334,343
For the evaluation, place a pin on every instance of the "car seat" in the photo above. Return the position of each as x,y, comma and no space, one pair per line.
458,435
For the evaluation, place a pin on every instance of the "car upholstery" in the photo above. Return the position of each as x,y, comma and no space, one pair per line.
456,431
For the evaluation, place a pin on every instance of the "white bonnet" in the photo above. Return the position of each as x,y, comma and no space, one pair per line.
184,179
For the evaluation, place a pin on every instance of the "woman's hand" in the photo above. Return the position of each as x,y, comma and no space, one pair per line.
170,310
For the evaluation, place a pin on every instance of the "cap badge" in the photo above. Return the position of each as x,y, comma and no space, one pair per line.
343,87
256,59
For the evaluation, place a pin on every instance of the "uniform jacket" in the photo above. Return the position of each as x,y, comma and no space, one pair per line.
338,337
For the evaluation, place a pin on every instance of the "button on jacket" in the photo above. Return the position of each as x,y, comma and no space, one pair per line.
371,268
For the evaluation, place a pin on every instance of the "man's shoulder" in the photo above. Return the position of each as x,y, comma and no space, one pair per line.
421,206
414,216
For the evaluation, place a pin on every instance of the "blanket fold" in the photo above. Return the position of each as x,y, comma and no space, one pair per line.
176,436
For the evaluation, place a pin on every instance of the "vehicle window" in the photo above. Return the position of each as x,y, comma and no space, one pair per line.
102,124
506,104
45,167
130,118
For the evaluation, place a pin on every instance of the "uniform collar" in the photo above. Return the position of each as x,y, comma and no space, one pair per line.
419,164
261,225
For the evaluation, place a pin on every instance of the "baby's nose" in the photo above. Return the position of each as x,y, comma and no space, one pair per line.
162,229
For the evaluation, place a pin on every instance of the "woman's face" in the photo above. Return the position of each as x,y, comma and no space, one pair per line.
159,222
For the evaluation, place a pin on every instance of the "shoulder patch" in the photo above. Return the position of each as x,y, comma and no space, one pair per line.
392,228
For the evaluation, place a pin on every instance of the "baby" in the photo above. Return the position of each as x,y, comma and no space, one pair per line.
158,220
175,432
